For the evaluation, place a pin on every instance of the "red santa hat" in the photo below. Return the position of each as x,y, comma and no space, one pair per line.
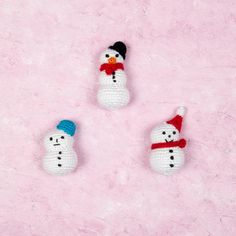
177,120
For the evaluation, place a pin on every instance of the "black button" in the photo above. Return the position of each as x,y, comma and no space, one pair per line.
170,150
113,77
60,152
59,158
113,72
172,157
114,81
59,165
171,165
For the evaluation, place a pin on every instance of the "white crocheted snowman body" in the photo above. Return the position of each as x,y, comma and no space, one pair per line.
60,158
166,160
112,92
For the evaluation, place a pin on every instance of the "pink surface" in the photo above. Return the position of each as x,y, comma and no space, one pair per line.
179,53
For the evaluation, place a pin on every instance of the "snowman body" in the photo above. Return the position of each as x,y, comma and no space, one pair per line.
60,156
166,160
112,92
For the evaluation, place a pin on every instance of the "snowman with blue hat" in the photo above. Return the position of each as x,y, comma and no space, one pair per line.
60,156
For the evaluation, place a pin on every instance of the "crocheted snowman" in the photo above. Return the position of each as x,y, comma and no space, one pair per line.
112,93
60,158
167,154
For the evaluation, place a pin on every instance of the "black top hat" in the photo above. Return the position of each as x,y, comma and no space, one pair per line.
119,47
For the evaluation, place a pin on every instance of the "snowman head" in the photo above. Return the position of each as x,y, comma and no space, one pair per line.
164,133
58,140
111,57
114,54
62,137
169,131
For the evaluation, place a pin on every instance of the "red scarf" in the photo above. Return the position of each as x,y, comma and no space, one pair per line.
180,143
109,68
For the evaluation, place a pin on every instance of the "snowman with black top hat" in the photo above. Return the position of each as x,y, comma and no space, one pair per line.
112,93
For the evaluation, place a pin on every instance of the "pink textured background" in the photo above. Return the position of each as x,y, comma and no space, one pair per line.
179,52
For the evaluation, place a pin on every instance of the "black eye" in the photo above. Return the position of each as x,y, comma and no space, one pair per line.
107,55
51,139
117,55
62,137
163,132
174,132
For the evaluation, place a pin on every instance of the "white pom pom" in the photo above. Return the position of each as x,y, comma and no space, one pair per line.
181,111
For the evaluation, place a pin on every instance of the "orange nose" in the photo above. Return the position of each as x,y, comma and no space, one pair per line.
112,60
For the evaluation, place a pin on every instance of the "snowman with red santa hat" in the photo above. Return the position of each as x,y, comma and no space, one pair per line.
167,154
112,93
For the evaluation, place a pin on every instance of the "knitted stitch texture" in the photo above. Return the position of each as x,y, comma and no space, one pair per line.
67,126
60,156
112,93
167,155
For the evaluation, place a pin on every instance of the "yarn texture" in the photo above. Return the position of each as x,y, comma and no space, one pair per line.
167,155
60,156
67,126
112,93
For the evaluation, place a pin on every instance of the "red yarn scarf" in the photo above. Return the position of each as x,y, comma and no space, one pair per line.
109,68
180,143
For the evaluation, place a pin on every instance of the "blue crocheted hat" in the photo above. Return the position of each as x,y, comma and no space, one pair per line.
67,126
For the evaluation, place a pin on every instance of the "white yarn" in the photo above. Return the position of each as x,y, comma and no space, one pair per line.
181,111
59,159
160,160
166,161
112,93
